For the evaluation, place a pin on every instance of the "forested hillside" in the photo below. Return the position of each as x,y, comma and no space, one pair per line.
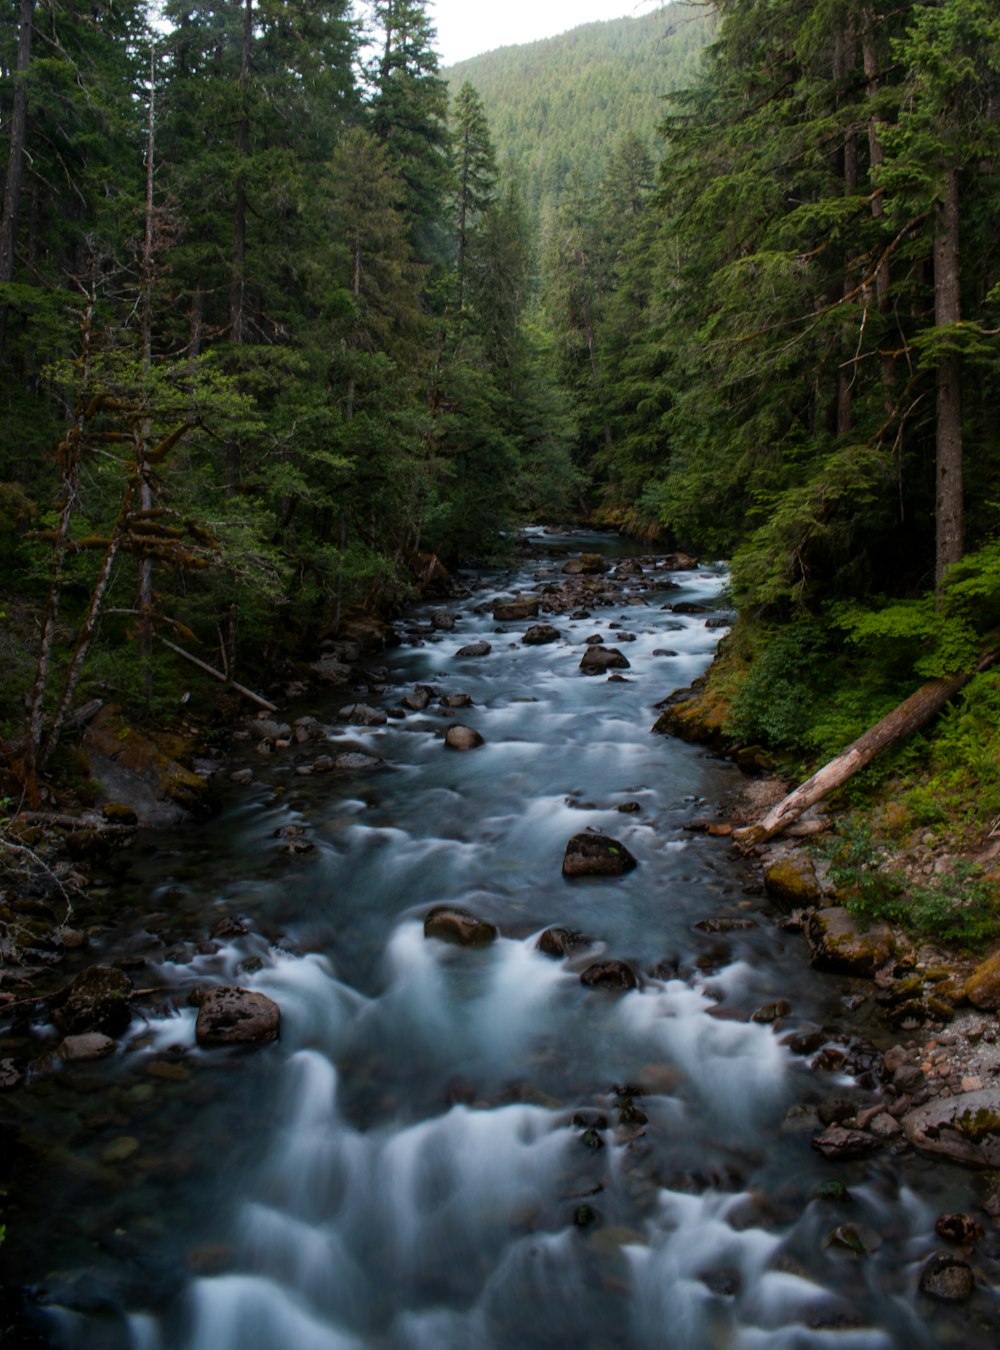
276,325
557,107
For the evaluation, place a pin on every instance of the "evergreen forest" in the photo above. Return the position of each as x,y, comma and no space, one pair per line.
287,313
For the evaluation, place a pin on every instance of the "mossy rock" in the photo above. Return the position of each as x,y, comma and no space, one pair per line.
792,883
837,942
982,988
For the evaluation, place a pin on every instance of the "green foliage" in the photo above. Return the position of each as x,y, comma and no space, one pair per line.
960,909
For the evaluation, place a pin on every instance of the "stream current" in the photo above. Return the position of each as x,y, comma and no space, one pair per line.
454,1148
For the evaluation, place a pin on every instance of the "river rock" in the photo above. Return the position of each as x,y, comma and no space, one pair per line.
361,715
97,1000
81,1049
965,1129
266,727
962,1229
443,621
456,701
539,634
560,942
150,774
613,975
596,855
679,562
947,1279
840,1142
475,649
332,671
450,923
232,1016
353,761
512,611
791,882
418,698
982,988
596,660
460,737
587,565
838,943
725,925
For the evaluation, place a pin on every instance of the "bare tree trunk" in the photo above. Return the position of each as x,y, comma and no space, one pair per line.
238,274
89,627
15,157
71,451
876,158
948,310
145,597
914,713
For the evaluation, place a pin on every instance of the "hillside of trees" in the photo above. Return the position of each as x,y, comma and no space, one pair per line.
279,317
557,107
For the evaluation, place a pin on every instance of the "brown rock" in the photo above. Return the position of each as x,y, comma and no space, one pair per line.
947,1279
596,660
88,1046
596,855
560,942
97,1000
539,634
791,882
232,1016
964,1128
452,924
512,611
838,1142
837,942
613,975
460,737
475,649
587,565
982,988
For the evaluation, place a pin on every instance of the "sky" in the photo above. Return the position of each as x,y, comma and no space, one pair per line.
467,27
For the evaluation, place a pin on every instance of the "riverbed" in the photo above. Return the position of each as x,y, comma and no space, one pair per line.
469,1147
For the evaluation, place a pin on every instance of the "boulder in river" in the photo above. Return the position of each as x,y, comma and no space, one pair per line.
512,611
460,737
233,1016
475,649
539,634
354,760
456,700
418,698
947,1279
450,923
596,855
837,941
97,1000
90,1045
361,715
596,660
791,882
587,565
615,976
840,1142
560,942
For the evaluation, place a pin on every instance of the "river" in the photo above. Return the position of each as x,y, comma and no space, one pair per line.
453,1147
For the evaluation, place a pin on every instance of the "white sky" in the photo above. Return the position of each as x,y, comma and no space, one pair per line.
467,27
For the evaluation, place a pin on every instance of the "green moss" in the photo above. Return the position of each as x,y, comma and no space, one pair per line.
977,1126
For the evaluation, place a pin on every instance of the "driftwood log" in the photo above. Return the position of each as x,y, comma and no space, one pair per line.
912,714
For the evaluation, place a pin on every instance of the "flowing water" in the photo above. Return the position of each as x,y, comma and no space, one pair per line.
455,1147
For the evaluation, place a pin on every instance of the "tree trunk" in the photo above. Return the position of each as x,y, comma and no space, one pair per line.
237,290
15,158
912,714
145,596
876,158
948,310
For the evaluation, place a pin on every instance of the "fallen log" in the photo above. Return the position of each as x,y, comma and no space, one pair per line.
219,675
912,714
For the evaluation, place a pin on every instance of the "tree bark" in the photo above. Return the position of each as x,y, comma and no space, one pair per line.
948,310
912,714
15,157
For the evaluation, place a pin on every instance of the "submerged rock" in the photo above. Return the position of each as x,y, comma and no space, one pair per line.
560,942
596,660
613,975
89,1046
97,1000
838,942
232,1016
475,649
450,923
947,1279
596,855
